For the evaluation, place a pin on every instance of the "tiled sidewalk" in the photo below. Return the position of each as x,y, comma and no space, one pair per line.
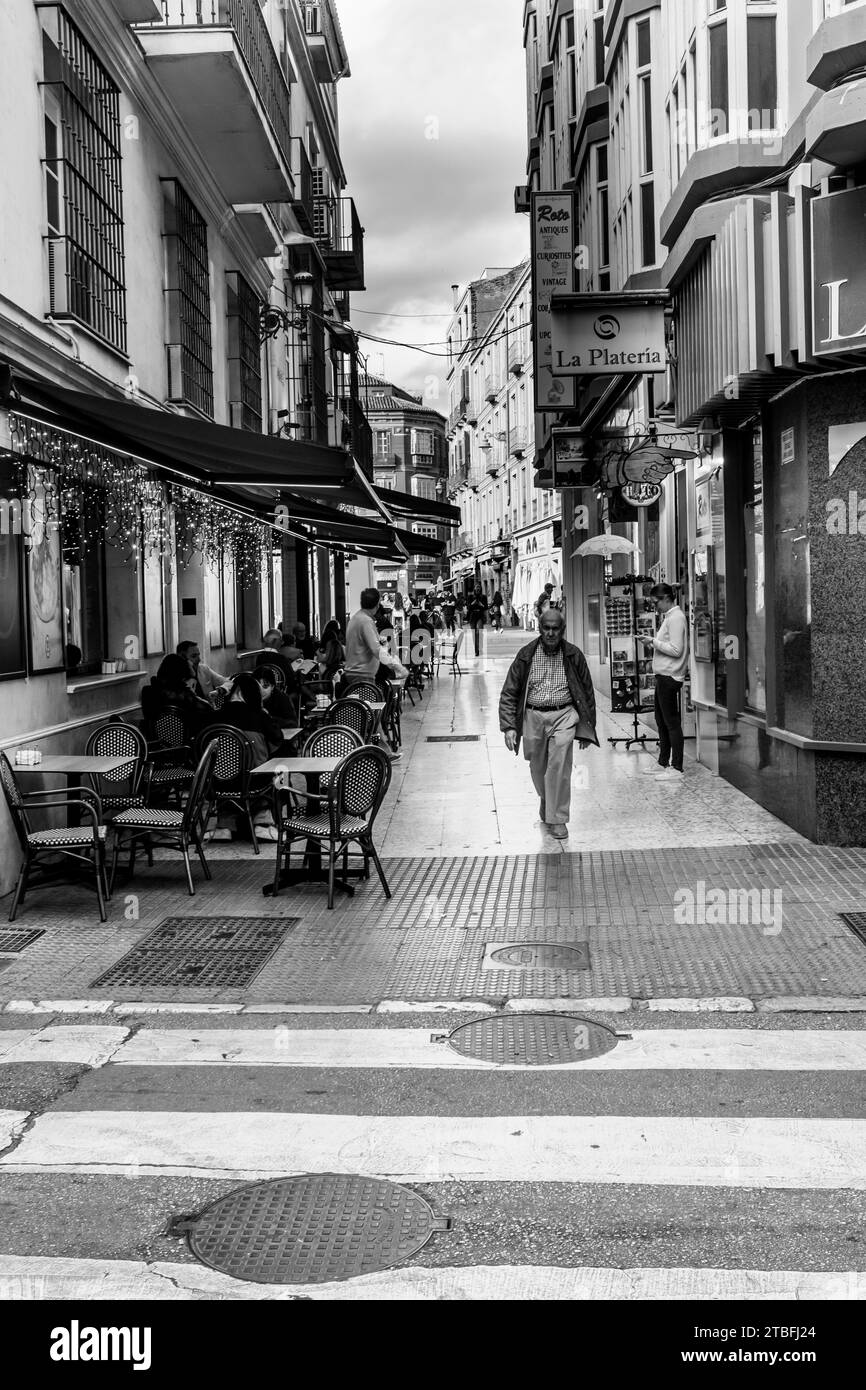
470,865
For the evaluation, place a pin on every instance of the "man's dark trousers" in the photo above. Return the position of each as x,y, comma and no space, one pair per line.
669,723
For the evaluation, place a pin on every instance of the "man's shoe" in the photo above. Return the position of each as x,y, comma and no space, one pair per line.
394,757
559,832
670,774
654,770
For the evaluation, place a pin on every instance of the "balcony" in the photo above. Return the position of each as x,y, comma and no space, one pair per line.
460,544
516,358
325,44
215,61
138,11
491,392
837,50
340,238
302,176
517,442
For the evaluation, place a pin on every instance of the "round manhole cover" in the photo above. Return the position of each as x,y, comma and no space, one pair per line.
530,956
312,1229
532,1040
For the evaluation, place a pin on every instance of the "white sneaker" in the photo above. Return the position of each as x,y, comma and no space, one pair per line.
670,774
653,771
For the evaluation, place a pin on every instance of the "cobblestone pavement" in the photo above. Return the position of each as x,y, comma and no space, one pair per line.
470,866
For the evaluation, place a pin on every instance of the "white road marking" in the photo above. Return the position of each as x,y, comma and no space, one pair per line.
58,1006
40,1278
11,1124
90,1047
731,1049
693,1151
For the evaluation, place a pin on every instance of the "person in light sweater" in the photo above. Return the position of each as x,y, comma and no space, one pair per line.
670,649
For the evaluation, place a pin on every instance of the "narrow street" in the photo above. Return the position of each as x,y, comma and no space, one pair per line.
712,1152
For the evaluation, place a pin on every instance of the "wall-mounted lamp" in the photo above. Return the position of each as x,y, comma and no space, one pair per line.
273,320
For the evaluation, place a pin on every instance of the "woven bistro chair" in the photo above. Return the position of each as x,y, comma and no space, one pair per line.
83,844
233,783
450,648
362,690
168,828
346,816
120,790
354,714
169,768
391,724
279,677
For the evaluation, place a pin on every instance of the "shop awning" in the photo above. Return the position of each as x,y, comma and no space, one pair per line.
419,508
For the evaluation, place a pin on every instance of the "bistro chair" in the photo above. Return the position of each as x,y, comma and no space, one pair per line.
391,720
219,697
345,816
83,844
232,783
167,828
354,714
169,759
120,790
362,690
451,648
278,677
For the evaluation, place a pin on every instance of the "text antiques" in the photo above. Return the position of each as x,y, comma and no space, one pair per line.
553,250
608,334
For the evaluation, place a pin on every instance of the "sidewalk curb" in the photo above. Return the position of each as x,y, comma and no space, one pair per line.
732,1004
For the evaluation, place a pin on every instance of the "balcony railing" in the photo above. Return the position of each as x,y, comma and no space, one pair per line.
245,18
340,237
517,441
491,393
302,175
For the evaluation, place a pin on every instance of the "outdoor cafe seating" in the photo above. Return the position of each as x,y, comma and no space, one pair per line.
170,829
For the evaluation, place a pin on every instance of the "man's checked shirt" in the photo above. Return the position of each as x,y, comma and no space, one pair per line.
548,686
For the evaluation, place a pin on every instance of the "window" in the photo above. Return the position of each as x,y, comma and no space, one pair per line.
643,44
603,204
190,354
385,480
82,175
84,577
646,132
648,223
719,99
244,354
598,37
383,444
422,442
424,487
763,76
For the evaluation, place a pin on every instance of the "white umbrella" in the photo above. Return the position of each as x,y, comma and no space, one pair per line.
605,546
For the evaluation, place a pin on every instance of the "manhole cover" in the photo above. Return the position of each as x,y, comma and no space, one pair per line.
196,952
18,940
532,1040
454,738
536,955
311,1229
856,921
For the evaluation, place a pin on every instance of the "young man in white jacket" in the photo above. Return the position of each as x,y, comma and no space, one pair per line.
670,665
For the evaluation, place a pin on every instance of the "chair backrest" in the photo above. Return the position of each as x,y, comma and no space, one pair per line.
14,800
169,727
278,676
355,715
332,741
200,786
218,698
459,642
233,752
119,741
359,785
363,690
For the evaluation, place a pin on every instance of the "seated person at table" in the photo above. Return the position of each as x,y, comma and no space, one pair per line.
275,654
332,633
206,680
277,704
244,710
306,645
320,681
174,684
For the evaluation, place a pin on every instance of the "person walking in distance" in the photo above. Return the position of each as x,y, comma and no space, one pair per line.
477,616
548,701
670,649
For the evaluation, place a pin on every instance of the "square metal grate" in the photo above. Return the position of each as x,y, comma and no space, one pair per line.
195,953
15,941
453,738
856,922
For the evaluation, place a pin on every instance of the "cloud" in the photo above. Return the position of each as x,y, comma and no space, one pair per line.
433,135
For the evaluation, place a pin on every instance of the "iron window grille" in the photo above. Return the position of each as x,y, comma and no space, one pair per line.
190,350
245,353
83,183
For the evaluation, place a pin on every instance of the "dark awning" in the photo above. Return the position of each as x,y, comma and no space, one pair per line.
418,508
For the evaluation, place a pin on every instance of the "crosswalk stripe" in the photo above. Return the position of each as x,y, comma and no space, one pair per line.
40,1278
652,1050
690,1151
90,1047
11,1124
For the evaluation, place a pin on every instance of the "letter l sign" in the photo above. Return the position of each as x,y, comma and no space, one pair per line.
836,335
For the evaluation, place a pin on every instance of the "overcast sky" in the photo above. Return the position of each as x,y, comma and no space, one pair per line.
433,136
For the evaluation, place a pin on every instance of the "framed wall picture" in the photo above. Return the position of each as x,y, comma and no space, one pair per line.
44,575
153,604
13,654
703,507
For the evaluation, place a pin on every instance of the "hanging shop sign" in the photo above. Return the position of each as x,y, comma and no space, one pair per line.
641,494
608,334
553,250
572,459
839,272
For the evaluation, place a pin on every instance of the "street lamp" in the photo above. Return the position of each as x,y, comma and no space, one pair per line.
273,320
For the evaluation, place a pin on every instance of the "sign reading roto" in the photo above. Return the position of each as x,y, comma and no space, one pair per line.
605,334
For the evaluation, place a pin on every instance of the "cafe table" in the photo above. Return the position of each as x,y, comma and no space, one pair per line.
313,870
73,767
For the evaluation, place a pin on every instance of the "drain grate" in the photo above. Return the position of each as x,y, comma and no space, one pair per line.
18,940
312,1229
195,952
532,1040
856,922
453,738
536,955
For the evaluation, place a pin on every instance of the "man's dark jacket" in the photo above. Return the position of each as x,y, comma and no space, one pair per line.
512,701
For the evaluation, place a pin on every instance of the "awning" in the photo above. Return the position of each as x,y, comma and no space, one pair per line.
419,508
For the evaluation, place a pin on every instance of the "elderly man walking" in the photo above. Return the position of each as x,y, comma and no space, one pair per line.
548,701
